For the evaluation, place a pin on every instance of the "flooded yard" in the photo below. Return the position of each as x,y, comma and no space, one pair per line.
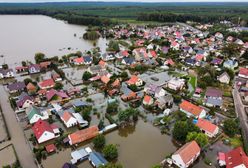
134,151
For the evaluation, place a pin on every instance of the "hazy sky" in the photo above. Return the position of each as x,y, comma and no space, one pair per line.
126,0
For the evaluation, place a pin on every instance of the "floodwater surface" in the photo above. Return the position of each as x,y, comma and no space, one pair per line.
21,36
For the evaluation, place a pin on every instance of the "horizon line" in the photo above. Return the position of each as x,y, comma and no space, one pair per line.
127,1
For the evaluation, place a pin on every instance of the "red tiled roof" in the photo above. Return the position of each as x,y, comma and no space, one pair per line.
133,80
30,86
147,98
243,71
79,60
40,127
188,151
236,157
50,148
191,108
83,135
206,125
105,79
47,83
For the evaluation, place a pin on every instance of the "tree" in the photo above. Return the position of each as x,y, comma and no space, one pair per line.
58,86
27,81
182,128
87,75
111,165
101,124
231,50
230,127
39,57
110,152
112,108
156,166
99,141
200,138
91,35
24,63
128,114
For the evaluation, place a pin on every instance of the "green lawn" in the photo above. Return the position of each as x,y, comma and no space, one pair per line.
193,81
235,142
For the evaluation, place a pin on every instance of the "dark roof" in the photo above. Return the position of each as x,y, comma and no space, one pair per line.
212,92
23,98
68,165
129,60
16,86
5,71
87,58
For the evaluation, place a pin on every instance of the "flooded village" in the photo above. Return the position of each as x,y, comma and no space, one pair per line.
139,96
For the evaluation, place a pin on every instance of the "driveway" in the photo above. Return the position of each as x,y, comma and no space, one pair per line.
18,139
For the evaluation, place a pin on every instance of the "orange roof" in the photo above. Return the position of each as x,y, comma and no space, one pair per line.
79,60
105,79
133,80
116,83
66,116
83,135
102,63
30,86
206,125
191,108
188,151
147,98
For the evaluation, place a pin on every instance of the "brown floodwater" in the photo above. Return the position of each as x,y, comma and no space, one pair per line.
21,36
139,146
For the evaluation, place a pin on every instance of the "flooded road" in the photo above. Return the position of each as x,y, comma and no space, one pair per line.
23,151
21,36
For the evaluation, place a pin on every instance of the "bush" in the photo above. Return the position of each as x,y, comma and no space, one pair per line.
110,152
99,141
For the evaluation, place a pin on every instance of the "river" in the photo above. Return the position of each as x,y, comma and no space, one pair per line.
21,36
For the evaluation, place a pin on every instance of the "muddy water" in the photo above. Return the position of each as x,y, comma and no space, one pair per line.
140,146
21,36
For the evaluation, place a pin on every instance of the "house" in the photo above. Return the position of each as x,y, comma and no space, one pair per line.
127,94
192,110
31,88
235,158
135,80
148,100
68,119
190,61
6,73
83,135
16,87
169,62
186,155
108,56
50,148
78,61
34,68
243,72
219,35
105,79
71,119
164,101
46,84
197,92
224,78
73,91
56,77
34,114
21,69
230,64
176,84
56,95
24,101
213,97
97,160
128,60
43,131
87,60
207,127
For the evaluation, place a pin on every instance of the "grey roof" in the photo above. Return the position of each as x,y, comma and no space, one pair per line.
5,71
87,58
212,92
79,103
215,102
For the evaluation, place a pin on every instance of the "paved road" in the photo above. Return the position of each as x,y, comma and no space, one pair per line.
240,111
18,139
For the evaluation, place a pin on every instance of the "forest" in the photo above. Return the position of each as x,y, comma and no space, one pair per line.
106,13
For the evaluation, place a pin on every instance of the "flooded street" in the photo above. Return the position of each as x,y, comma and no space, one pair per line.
21,36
